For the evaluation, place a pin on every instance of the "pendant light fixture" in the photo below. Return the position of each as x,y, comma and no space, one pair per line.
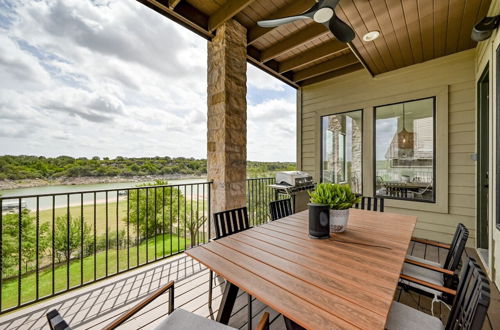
405,138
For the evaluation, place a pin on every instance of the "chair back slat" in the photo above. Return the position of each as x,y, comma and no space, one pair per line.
457,248
280,209
230,222
366,203
472,300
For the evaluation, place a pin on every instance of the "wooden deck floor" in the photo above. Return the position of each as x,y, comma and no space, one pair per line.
96,305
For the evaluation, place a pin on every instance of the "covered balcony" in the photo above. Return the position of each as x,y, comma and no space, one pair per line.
405,111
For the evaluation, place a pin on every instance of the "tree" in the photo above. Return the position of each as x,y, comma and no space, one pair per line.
66,245
150,219
10,240
193,225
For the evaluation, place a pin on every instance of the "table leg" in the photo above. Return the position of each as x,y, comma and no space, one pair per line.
227,303
290,325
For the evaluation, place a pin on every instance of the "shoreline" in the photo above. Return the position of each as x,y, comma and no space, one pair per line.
32,183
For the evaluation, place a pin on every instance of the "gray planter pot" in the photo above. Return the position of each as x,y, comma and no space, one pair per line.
338,220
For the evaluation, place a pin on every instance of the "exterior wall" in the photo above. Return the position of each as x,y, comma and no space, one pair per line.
485,54
451,80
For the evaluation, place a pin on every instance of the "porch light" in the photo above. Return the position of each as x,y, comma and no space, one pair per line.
405,138
370,36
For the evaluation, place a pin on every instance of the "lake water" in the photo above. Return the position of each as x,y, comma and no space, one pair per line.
88,198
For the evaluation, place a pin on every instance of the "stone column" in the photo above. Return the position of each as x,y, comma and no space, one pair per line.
356,162
227,116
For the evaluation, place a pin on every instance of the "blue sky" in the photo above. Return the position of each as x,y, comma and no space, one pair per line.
109,78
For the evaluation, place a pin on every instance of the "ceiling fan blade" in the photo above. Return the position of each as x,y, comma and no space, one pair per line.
280,21
341,30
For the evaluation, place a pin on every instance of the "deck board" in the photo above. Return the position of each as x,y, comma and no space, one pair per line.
96,305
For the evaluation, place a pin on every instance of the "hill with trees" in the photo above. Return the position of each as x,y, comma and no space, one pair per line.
39,167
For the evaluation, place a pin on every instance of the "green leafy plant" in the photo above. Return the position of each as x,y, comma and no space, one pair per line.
336,196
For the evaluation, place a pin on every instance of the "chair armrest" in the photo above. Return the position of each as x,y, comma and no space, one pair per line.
431,267
264,322
429,285
144,303
428,242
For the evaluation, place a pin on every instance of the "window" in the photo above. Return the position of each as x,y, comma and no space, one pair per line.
404,150
341,149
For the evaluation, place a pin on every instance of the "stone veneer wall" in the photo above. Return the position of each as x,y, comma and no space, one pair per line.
227,128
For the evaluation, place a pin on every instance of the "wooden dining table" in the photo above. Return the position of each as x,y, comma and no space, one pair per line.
346,281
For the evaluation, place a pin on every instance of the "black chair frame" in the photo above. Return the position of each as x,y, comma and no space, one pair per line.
280,208
452,263
227,223
366,203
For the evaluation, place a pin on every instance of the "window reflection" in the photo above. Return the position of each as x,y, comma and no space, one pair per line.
342,149
404,149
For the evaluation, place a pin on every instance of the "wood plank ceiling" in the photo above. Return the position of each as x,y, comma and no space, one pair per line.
305,52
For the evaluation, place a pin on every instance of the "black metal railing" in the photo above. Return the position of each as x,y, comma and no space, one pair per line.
53,243
259,195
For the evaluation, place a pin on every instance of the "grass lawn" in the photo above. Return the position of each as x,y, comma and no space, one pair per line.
10,287
88,215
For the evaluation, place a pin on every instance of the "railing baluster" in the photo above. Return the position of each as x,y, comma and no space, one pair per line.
53,242
191,219
209,210
203,211
163,218
107,233
128,228
81,238
95,236
185,215
67,241
137,228
117,233
20,242
156,222
197,214
37,249
147,225
171,219
178,219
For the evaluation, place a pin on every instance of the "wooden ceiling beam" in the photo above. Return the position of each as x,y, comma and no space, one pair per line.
326,49
294,40
226,12
333,74
173,3
185,14
291,9
328,66
271,67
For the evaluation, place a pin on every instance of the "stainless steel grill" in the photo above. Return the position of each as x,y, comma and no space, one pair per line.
294,184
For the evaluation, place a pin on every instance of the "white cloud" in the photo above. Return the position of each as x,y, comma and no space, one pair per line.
109,78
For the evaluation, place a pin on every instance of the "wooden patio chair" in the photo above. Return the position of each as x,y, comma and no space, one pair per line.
468,311
280,208
445,274
227,223
366,204
176,319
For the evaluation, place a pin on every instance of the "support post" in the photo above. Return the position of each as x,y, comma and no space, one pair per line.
227,128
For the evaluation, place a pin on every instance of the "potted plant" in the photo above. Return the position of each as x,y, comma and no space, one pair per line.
339,199
319,217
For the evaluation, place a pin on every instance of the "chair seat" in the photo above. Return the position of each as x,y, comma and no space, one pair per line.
423,274
407,318
183,320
